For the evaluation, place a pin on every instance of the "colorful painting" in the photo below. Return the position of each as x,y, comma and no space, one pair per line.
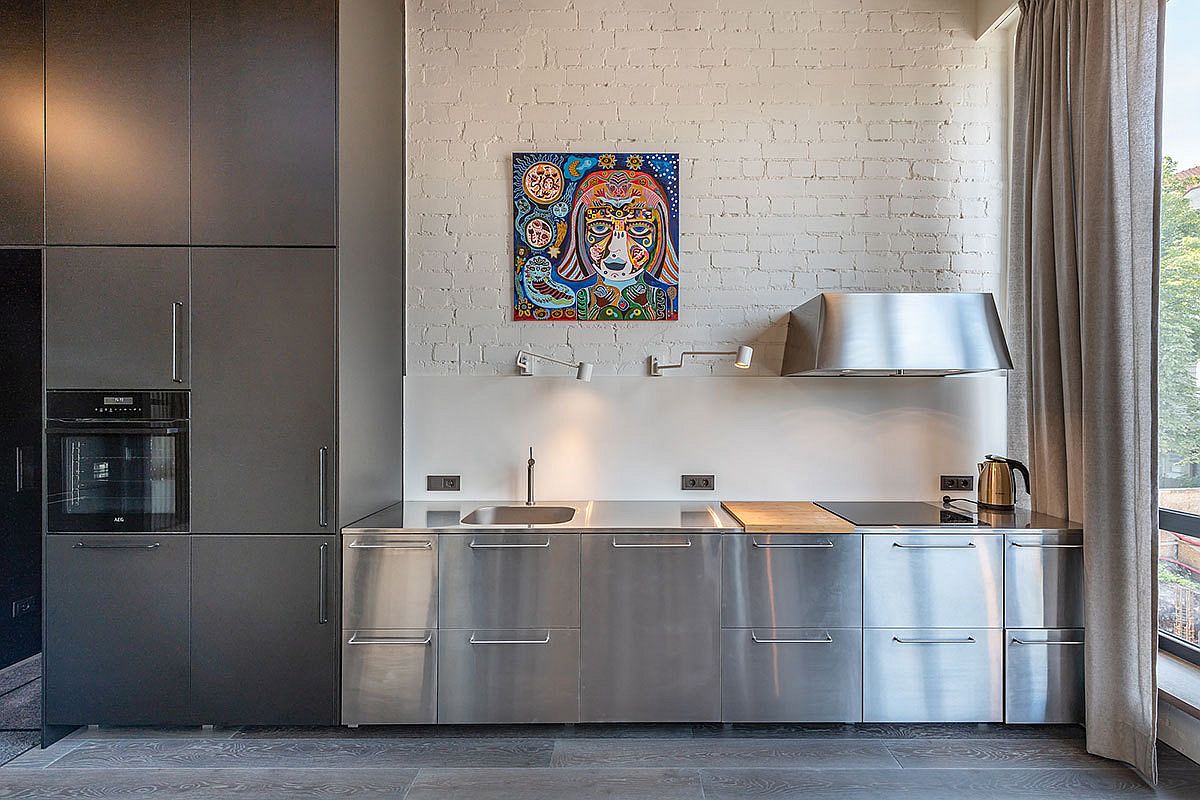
596,236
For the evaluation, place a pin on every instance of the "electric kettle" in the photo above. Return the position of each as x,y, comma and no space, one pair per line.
997,485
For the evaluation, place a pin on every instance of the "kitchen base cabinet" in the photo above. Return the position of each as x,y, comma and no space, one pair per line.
391,581
117,630
933,675
389,677
1043,580
1044,676
791,580
508,676
791,675
264,629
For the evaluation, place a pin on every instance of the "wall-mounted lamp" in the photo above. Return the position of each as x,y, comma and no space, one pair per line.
583,370
741,360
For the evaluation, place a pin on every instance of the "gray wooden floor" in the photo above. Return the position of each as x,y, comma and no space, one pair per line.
585,762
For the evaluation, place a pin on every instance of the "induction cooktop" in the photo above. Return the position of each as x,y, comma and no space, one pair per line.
869,514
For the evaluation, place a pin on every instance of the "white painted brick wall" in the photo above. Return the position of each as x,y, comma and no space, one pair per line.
824,145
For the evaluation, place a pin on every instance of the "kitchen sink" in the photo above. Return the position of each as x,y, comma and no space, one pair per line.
520,515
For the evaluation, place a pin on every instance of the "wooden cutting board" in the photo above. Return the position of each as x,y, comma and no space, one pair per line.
786,518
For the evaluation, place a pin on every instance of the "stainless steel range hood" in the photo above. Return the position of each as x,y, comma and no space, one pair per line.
895,333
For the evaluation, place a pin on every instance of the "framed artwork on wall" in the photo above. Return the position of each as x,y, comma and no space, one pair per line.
595,236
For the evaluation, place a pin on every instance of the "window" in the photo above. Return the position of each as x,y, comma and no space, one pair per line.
1179,339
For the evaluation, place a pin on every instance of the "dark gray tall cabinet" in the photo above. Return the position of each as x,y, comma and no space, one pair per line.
22,136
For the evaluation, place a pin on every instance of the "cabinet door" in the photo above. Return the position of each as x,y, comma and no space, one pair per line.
117,630
264,121
391,580
1043,580
117,122
116,318
22,136
389,677
650,615
263,420
264,629
791,674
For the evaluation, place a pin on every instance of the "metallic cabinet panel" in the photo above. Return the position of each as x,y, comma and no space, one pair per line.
508,676
264,385
390,580
943,580
1043,580
389,677
117,122
933,675
22,137
791,580
264,122
650,617
264,629
791,675
117,630
510,580
117,318
1044,676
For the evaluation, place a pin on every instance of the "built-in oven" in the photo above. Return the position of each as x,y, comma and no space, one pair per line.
117,461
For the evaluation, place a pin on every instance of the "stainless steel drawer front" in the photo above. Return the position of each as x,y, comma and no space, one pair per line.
791,580
1043,580
933,675
389,677
1044,676
389,581
509,676
510,580
946,580
791,675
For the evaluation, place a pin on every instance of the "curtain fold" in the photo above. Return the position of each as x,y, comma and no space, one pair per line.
1083,309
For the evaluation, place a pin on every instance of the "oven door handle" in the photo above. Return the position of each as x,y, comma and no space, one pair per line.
115,430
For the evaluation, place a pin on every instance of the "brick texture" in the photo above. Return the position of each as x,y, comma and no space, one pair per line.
824,145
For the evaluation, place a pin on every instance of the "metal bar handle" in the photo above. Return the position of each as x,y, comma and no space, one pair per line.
968,640
383,640
422,544
323,487
1043,546
826,640
323,605
967,546
175,306
792,546
474,545
114,546
684,543
1044,644
511,641
20,476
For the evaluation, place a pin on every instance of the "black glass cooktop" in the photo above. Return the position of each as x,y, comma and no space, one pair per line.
902,514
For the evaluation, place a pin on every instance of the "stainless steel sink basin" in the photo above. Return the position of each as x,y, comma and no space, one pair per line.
520,515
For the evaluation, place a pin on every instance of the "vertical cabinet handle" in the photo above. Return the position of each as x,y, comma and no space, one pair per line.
323,605
20,477
175,306
323,488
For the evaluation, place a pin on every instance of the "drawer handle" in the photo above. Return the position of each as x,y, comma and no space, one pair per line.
797,546
967,546
968,640
114,546
474,545
411,545
1043,644
684,543
1041,546
754,638
373,640
511,641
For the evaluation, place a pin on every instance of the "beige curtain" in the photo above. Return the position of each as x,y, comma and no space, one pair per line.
1083,297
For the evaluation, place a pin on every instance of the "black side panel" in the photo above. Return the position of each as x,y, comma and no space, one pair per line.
261,654
22,134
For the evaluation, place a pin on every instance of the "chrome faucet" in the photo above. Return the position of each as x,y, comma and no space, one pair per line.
529,479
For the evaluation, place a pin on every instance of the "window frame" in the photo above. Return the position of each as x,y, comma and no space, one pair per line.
1188,525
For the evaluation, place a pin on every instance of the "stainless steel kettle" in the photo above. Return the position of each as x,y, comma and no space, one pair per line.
997,486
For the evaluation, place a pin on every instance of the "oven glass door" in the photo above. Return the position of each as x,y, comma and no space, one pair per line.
123,479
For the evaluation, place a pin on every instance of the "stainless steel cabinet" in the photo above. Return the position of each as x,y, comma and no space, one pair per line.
391,581
117,630
22,138
497,676
650,618
933,675
942,580
389,677
1044,676
518,580
264,629
117,122
117,318
1043,580
791,675
791,580
263,398
264,121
